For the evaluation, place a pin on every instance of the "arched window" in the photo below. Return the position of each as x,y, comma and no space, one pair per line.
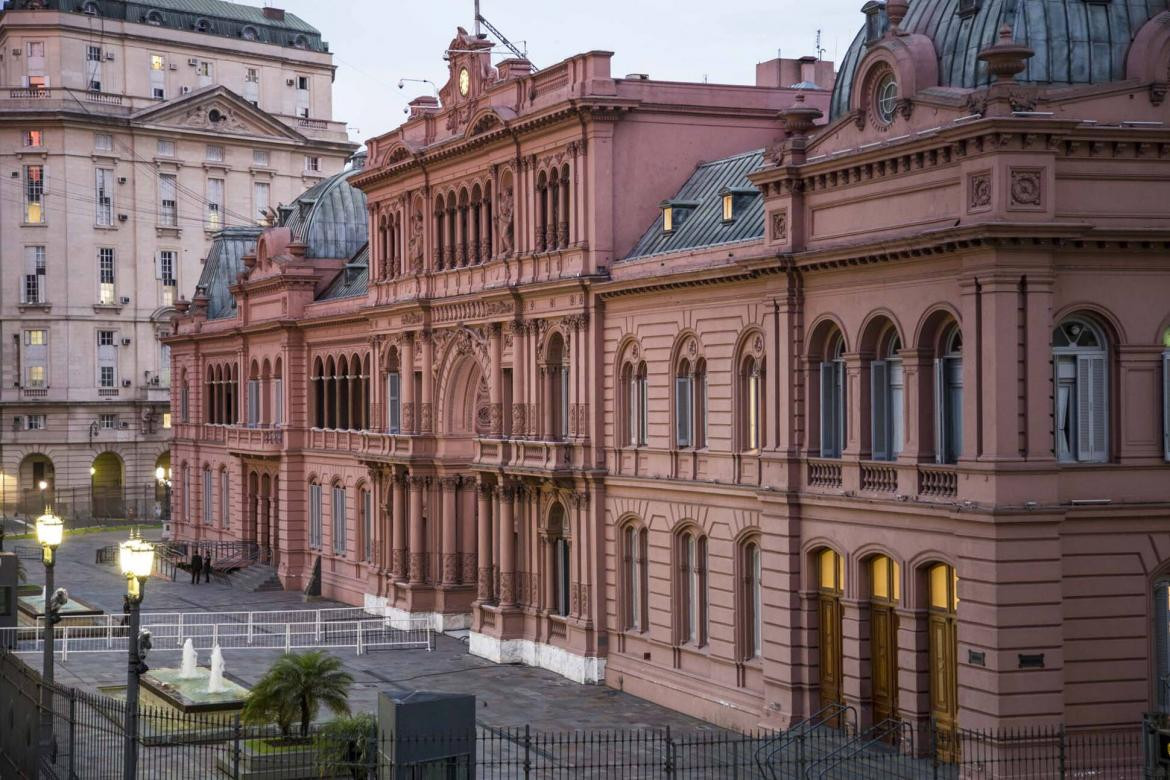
249,33
203,25
830,586
943,657
1166,394
440,232
1161,665
318,381
887,397
542,208
393,395
339,521
207,503
885,592
154,17
224,499
634,578
278,394
690,405
315,515
1082,391
186,493
691,588
557,388
366,507
751,601
254,396
833,415
751,381
948,397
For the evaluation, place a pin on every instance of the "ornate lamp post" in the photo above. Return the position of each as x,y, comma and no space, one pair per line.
136,559
50,529
162,477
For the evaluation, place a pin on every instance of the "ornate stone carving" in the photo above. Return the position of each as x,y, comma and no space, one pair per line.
507,587
1026,188
504,208
518,419
426,420
496,419
467,568
408,418
779,224
416,566
450,568
214,117
574,598
979,196
484,584
415,239
398,559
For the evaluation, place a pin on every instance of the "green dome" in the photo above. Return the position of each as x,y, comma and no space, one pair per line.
1076,41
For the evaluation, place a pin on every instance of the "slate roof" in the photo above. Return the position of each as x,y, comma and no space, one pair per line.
224,262
354,278
227,19
330,217
704,225
1076,42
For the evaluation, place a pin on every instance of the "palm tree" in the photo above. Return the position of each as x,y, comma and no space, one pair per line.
298,684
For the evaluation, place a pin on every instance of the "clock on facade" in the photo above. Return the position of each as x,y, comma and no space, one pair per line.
464,81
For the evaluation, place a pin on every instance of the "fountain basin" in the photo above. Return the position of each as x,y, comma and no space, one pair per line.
78,612
191,695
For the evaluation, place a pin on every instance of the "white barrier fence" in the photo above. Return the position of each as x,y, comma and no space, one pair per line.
281,630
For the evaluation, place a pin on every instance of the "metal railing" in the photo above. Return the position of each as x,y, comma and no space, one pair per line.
285,630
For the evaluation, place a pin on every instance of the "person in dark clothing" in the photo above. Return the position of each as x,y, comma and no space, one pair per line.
207,567
196,567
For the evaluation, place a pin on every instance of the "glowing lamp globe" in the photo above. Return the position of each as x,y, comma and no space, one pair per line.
50,529
136,558
159,473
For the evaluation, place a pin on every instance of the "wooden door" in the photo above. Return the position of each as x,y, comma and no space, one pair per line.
885,592
832,576
944,661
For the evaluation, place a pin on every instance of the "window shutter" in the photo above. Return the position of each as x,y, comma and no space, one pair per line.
278,402
1091,408
643,411
1166,405
940,417
828,408
682,411
393,402
897,400
841,415
564,401
880,409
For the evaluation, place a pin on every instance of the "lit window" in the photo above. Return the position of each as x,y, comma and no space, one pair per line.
35,338
166,421
667,219
34,138
34,194
105,279
157,62
34,422
36,376
728,207
312,163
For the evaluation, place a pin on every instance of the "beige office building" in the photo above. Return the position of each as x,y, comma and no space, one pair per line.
129,134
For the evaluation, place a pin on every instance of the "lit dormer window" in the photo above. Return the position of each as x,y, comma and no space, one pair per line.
728,207
735,200
668,219
675,212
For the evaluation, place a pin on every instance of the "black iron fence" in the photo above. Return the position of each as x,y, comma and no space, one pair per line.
85,506
88,741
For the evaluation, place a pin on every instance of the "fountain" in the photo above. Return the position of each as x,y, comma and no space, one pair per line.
189,668
215,679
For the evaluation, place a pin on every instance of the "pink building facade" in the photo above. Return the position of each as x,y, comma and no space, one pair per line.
746,400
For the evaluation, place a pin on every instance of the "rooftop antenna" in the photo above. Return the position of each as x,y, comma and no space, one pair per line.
480,20
820,49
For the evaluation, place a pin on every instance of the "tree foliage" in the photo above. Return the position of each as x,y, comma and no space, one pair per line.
296,686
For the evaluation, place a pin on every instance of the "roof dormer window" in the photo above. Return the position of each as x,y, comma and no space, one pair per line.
154,17
735,201
90,9
249,33
300,42
675,213
968,8
203,25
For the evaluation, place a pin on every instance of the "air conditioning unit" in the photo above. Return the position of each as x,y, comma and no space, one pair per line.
17,421
192,62
16,52
121,179
290,82
126,423
184,90
172,66
110,55
123,217
125,342
125,383
125,299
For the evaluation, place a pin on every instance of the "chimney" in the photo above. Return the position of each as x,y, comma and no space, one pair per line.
808,70
423,105
275,14
513,68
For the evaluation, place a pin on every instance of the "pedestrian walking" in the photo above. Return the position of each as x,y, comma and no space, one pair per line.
207,567
196,567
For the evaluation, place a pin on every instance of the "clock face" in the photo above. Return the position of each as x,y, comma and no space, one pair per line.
464,81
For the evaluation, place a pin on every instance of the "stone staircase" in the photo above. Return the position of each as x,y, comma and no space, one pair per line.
254,578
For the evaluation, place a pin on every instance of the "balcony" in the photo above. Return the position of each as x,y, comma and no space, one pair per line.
254,441
882,479
822,473
937,481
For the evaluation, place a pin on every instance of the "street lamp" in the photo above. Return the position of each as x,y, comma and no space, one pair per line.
136,560
50,529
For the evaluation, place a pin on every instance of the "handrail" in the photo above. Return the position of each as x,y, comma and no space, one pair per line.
801,729
879,732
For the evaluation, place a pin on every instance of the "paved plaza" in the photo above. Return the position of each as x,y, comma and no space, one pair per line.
507,695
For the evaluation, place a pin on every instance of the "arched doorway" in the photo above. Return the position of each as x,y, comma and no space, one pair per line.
38,484
162,487
558,563
106,493
885,592
943,585
831,580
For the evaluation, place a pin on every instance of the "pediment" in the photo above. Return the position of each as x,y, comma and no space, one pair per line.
216,109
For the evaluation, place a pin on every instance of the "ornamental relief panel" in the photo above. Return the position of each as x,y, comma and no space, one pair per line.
979,191
1027,189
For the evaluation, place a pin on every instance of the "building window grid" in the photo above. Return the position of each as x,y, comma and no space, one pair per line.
168,211
315,515
214,204
339,541
224,499
106,276
207,504
104,197
34,194
34,288
367,503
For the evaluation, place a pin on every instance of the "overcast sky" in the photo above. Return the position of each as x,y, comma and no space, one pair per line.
377,42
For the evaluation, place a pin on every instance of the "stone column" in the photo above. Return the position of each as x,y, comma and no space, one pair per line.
484,539
406,373
450,486
496,381
426,421
398,519
519,381
417,542
377,420
507,547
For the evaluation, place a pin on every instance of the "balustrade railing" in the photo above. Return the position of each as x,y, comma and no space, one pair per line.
937,481
879,478
824,473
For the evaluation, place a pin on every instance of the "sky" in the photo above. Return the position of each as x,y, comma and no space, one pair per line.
377,42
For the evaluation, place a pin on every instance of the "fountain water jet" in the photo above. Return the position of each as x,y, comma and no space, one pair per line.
215,679
187,670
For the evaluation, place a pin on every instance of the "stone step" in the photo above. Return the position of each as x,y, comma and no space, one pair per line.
255,578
